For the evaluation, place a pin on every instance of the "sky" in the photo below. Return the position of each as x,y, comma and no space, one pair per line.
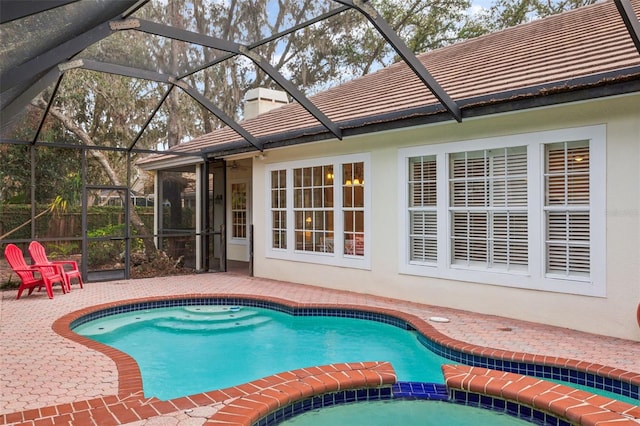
478,5
481,3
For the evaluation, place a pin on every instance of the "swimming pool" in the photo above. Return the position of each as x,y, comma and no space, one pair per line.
567,375
185,350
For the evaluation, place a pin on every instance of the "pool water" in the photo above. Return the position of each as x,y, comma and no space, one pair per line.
185,350
192,349
403,412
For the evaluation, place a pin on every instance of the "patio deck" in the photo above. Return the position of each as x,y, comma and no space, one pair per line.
41,370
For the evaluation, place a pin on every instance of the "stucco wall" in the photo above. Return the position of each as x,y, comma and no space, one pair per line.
613,315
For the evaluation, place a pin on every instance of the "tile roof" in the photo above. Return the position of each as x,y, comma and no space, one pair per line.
566,52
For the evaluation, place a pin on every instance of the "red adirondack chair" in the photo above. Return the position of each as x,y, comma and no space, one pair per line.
67,268
32,276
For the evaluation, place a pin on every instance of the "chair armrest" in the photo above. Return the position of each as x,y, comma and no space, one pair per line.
33,269
66,262
29,268
59,269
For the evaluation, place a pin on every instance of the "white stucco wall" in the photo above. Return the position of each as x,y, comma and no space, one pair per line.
613,315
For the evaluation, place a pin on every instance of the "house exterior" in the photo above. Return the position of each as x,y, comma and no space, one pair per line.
528,208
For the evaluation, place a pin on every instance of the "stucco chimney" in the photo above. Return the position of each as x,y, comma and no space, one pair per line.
260,100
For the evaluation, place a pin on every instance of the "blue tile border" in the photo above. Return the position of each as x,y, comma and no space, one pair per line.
420,390
256,303
511,408
535,370
168,303
326,400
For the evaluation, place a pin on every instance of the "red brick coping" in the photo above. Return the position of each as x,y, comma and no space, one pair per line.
284,389
251,401
576,406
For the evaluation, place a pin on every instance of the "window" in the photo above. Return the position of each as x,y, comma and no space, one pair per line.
567,208
353,208
423,238
279,209
313,208
522,211
319,211
488,208
239,210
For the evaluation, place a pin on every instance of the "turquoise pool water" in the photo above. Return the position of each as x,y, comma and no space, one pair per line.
193,349
403,412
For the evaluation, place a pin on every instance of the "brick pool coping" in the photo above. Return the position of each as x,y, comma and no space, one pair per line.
245,404
564,402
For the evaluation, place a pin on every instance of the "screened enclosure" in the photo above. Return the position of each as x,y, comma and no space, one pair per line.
91,88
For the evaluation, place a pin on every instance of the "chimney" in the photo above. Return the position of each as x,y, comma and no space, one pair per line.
260,100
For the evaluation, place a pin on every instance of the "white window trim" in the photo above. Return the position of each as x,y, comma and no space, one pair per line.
230,238
337,258
535,277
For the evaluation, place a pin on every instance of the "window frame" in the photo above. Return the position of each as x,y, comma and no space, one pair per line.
281,211
311,218
337,257
247,211
570,208
422,210
487,203
534,276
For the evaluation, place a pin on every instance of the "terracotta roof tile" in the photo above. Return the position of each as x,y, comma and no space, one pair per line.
583,42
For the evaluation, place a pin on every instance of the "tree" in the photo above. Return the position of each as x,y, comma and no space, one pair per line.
508,13
423,25
53,176
101,158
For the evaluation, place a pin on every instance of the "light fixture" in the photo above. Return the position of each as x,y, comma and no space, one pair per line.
578,158
356,181
348,182
329,176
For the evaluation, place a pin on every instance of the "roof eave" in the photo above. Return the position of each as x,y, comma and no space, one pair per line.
608,84
168,160
596,86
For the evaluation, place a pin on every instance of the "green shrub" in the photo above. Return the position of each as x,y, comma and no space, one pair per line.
63,250
105,252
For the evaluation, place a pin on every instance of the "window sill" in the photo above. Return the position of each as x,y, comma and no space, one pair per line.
512,279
